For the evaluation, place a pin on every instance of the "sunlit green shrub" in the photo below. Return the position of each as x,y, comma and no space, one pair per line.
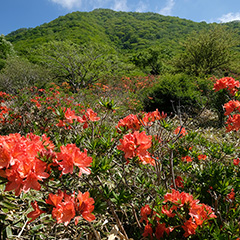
174,93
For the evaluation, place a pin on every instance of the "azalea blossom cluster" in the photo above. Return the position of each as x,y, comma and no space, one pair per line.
231,195
134,122
181,131
228,83
236,161
65,207
70,156
19,162
24,161
134,84
136,145
232,108
178,182
183,208
48,103
27,161
4,110
190,159
70,115
4,96
186,158
160,228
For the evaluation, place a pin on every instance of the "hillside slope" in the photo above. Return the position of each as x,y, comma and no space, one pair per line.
123,30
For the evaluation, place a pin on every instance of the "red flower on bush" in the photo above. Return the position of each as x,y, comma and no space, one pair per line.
198,212
202,157
179,182
71,156
153,116
231,106
228,83
189,227
84,206
233,123
66,207
20,163
161,228
70,115
180,131
187,159
91,115
236,161
180,205
134,122
168,212
36,213
148,232
136,145
129,122
145,212
231,195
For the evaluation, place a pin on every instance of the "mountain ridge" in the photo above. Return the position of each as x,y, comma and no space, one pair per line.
123,30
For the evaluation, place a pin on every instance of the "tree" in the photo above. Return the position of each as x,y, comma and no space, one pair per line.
151,61
79,65
19,73
206,51
6,50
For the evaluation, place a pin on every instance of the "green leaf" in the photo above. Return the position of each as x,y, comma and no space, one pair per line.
9,232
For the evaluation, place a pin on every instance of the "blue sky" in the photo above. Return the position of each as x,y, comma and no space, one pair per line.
15,14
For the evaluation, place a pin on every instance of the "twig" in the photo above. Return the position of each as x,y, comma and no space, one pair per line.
19,235
95,232
113,212
171,169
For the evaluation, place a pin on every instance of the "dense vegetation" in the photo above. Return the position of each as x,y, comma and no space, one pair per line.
123,30
119,125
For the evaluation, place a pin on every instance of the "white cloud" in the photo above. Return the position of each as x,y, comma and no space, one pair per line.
69,4
168,8
229,17
98,3
120,5
142,7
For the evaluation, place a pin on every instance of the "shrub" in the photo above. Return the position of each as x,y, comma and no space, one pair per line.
172,92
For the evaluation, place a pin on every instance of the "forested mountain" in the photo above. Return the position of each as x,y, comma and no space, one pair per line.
123,30
83,47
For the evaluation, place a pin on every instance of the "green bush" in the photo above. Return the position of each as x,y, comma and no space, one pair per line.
19,73
174,93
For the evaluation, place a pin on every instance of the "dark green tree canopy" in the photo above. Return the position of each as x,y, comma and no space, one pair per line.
151,60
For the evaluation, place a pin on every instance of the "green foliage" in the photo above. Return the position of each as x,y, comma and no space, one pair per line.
146,36
19,73
6,50
120,187
78,65
151,61
174,93
121,30
206,51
